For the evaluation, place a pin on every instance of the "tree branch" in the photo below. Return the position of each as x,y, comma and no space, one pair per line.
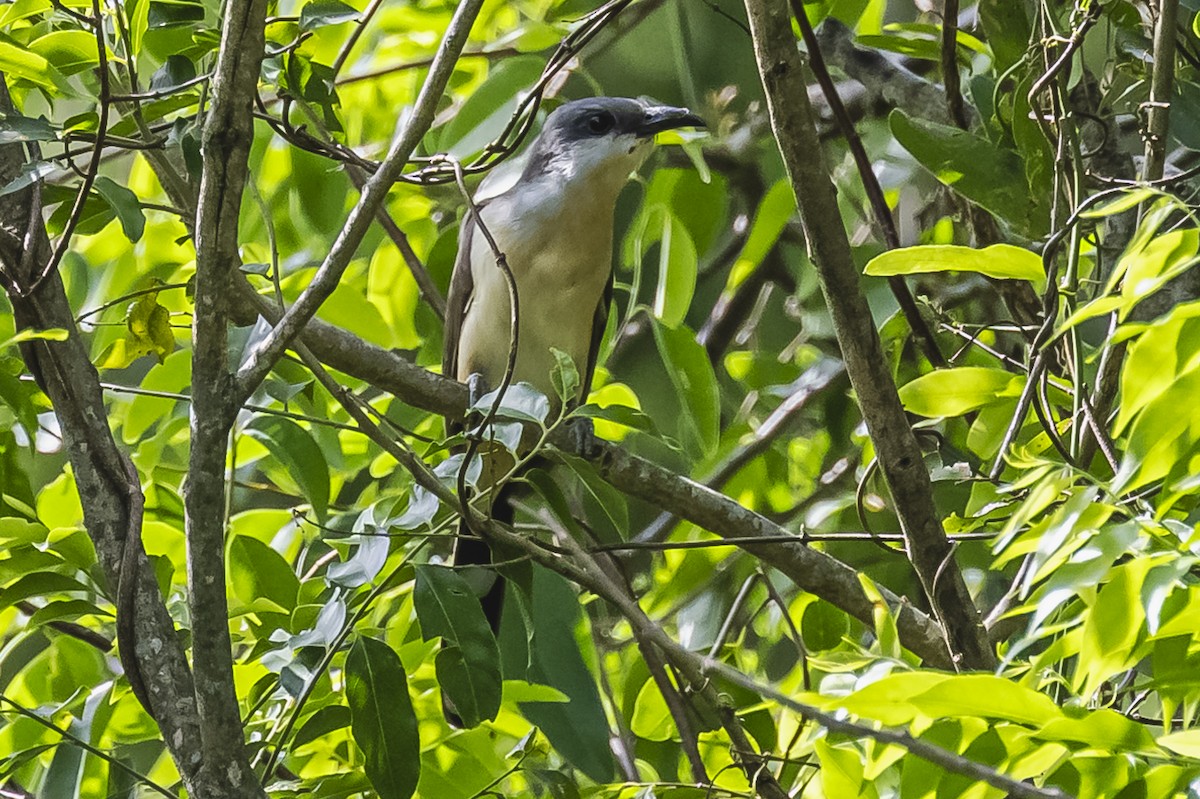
951,79
899,455
1158,115
149,645
225,148
810,569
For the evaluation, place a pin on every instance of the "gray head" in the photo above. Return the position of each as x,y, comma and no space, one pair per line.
601,136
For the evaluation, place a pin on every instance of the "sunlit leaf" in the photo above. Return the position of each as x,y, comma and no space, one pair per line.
955,391
980,170
258,572
69,51
998,260
295,448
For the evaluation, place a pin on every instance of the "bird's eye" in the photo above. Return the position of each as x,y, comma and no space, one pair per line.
601,123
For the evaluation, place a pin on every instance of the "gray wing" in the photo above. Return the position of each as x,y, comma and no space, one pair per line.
462,286
599,322
462,289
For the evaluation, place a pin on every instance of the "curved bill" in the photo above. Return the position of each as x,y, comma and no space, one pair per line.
664,117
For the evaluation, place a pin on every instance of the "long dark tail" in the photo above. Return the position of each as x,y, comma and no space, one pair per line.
470,550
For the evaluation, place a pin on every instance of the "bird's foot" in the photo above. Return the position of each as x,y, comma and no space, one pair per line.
583,437
476,389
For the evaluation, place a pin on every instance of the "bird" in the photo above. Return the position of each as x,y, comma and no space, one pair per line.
554,226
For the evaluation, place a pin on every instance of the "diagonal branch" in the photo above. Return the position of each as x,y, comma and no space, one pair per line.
408,134
899,455
812,570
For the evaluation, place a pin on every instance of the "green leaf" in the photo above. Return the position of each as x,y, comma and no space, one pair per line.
120,354
29,334
39,584
522,691
841,769
128,209
651,718
21,9
578,729
349,308
488,108
68,51
325,12
953,392
324,721
149,325
677,265
138,12
695,384
66,610
774,211
172,13
1185,101
980,170
1103,728
172,376
1007,27
19,62
294,447
19,531
998,260
1150,268
258,572
988,696
468,664
1128,200
381,718
30,172
16,128
175,71
1185,743
1112,627
565,377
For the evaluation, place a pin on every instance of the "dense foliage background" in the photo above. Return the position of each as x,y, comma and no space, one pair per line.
1032,177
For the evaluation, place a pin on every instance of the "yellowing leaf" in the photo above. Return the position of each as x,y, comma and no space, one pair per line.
150,326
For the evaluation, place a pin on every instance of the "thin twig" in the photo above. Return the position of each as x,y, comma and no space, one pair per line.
408,135
64,239
75,740
76,631
874,191
945,758
951,79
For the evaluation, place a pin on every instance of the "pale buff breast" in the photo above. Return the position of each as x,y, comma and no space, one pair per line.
561,260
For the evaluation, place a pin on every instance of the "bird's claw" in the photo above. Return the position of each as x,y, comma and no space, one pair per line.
583,438
476,389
